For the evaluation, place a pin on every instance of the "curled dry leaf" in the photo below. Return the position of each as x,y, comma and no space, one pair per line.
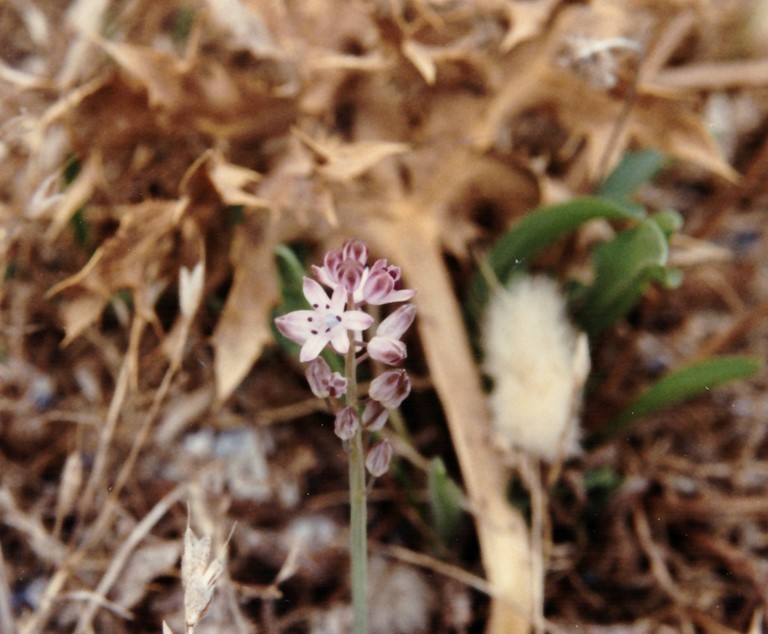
131,259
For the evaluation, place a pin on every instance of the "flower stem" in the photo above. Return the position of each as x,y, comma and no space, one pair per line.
358,545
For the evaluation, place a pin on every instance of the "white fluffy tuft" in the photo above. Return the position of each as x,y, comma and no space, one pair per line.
538,362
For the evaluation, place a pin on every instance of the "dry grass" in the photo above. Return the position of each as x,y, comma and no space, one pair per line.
142,137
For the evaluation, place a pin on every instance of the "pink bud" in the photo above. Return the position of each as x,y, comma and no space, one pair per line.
347,423
350,273
322,381
355,250
389,351
378,458
378,287
374,415
390,388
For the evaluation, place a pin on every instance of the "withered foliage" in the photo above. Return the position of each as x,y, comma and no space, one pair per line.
137,138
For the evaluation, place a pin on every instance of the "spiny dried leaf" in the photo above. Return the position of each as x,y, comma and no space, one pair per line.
234,182
131,259
526,20
159,72
344,162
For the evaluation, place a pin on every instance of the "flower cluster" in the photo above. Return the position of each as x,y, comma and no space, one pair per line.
338,317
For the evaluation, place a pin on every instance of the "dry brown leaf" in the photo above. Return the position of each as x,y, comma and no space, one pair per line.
147,562
602,118
244,326
344,162
234,182
526,20
160,73
131,259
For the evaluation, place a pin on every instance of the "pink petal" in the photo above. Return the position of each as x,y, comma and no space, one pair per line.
338,300
313,347
397,323
315,294
340,340
295,325
322,275
402,295
356,320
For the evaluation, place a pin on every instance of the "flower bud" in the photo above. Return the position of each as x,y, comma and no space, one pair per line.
389,351
355,250
347,423
390,388
350,273
322,381
378,458
374,415
378,287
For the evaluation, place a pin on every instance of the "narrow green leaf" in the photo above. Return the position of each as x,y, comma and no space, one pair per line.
623,268
680,385
634,170
536,231
445,500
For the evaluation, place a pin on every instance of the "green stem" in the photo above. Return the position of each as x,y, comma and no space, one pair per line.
358,545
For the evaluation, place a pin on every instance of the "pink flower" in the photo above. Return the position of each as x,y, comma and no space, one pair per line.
390,388
378,458
386,345
323,382
326,322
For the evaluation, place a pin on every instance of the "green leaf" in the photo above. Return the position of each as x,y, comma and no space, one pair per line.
623,269
445,500
635,169
536,231
681,385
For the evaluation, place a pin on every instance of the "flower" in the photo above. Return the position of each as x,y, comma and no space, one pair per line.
326,322
375,285
323,382
386,346
380,285
347,423
378,458
390,388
